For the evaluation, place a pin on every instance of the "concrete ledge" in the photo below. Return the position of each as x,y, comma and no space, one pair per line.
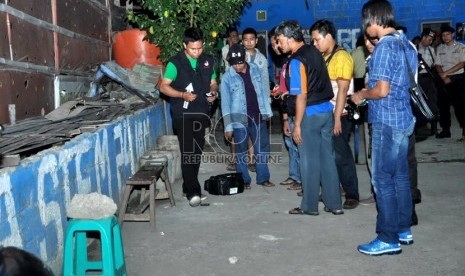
34,195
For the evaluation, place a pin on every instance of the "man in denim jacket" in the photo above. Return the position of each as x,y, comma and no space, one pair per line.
246,107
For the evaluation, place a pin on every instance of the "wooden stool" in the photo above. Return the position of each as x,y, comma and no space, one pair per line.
147,175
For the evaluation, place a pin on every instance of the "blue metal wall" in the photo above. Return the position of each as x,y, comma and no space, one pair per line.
346,14
34,196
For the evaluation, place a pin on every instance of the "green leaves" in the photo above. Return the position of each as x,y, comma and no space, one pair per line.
166,20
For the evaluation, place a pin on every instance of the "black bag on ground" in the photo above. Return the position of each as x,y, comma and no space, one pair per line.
225,184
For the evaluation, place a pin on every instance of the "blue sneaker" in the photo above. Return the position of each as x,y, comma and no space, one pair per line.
406,238
378,248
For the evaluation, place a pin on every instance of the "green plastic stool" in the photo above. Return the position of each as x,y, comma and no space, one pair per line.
75,250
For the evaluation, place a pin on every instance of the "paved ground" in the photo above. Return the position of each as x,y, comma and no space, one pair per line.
255,229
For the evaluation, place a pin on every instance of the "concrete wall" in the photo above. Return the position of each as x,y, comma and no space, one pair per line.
346,15
34,196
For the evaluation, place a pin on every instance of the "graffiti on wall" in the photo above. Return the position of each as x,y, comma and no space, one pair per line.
347,38
35,195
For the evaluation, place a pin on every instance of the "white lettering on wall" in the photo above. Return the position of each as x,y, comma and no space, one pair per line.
14,239
348,37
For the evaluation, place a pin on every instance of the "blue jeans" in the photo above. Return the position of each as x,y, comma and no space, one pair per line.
261,145
294,163
390,177
317,163
345,160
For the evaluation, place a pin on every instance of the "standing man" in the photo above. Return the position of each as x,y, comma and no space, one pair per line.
450,59
392,123
307,78
425,79
232,37
245,103
190,82
288,112
340,69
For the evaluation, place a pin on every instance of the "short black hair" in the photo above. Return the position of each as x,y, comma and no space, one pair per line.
290,29
272,33
379,12
15,261
230,30
192,35
249,31
324,27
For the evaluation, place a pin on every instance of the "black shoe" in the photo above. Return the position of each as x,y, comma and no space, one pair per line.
335,212
443,134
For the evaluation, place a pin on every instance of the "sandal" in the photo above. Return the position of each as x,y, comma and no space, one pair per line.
294,187
231,167
247,187
268,184
298,211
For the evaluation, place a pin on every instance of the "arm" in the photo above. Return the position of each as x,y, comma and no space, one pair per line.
226,104
168,90
165,88
213,91
380,90
341,99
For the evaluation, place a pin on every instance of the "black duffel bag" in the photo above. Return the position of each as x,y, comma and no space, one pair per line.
225,184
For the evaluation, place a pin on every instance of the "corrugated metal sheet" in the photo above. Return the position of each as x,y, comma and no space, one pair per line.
31,43
30,92
38,9
70,38
84,18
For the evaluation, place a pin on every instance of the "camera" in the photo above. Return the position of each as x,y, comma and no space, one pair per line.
354,111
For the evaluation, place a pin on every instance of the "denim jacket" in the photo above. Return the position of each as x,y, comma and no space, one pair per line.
233,99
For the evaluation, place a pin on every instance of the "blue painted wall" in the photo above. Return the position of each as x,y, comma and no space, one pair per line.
34,196
346,14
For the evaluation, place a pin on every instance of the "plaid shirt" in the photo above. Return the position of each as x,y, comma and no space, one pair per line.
388,63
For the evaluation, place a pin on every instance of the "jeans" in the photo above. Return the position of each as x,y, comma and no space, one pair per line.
294,163
317,163
390,177
261,145
345,160
191,137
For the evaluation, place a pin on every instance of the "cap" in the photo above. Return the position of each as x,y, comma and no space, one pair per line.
428,32
236,54
447,28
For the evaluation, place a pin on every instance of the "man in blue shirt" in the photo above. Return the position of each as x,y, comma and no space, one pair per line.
308,80
392,122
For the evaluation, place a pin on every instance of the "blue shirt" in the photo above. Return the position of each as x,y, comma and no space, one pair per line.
388,63
298,85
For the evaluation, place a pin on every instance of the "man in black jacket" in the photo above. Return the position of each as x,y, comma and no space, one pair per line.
190,82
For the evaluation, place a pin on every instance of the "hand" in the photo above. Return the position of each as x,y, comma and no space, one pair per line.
228,135
212,98
286,128
189,97
275,91
356,98
296,135
284,94
337,126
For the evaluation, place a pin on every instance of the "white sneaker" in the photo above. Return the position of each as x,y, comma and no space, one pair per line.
202,196
195,201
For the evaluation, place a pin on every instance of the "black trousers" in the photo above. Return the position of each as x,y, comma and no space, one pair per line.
191,136
453,94
413,173
345,163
